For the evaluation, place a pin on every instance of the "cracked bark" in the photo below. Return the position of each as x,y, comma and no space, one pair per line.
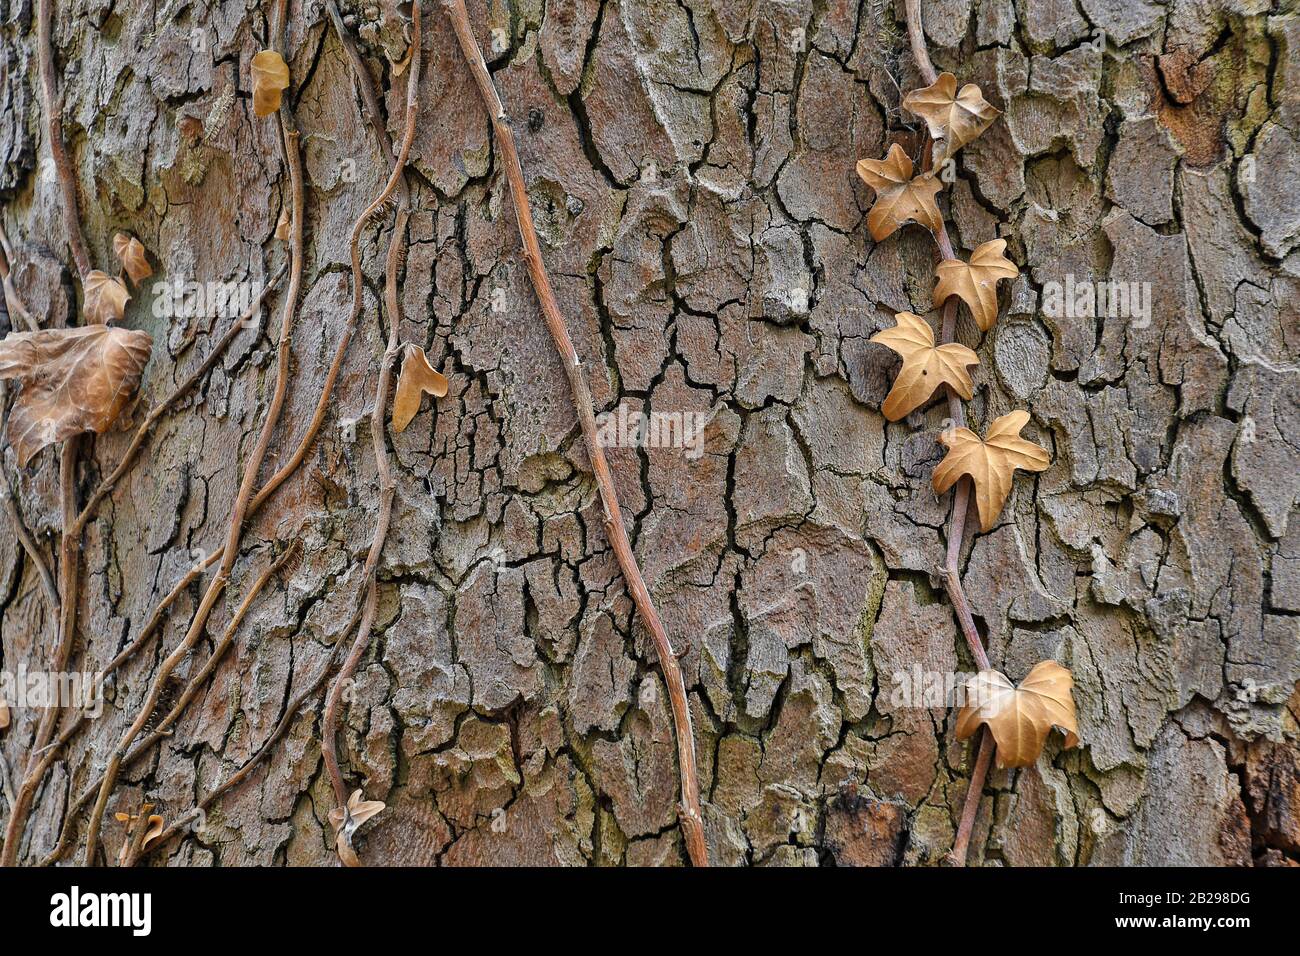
690,172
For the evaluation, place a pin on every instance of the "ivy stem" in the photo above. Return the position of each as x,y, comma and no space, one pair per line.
951,572
289,136
53,107
69,552
15,306
163,727
387,486
692,820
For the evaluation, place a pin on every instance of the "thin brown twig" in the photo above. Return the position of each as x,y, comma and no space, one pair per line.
951,571
13,301
692,820
137,828
162,729
48,752
289,142
387,486
239,776
53,107
16,307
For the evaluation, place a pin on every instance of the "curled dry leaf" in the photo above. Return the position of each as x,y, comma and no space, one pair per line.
899,197
154,823
925,365
130,253
270,80
4,715
347,820
106,297
73,380
976,282
400,66
1020,718
989,462
283,225
956,118
416,378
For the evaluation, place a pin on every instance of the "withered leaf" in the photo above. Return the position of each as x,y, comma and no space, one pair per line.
4,715
416,378
347,820
270,80
106,297
1020,718
73,380
154,825
130,252
989,462
925,365
899,197
976,282
399,67
283,225
956,118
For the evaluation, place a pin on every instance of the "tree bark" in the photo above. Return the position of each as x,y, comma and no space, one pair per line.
689,168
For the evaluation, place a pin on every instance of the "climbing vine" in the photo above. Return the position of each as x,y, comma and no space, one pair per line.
1015,721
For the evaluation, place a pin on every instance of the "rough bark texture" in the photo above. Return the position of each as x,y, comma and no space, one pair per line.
690,165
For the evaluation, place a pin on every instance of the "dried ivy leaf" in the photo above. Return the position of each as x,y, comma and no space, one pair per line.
925,365
73,380
899,197
347,820
416,378
976,282
130,253
283,225
1020,718
270,80
106,297
154,823
400,66
989,462
956,118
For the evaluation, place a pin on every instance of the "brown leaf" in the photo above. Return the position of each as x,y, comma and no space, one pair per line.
925,365
270,80
106,297
130,253
976,282
73,380
400,66
347,820
283,225
1020,718
154,825
4,715
989,462
416,378
956,118
899,197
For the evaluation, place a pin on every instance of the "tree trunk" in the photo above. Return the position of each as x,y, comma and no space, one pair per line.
690,167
